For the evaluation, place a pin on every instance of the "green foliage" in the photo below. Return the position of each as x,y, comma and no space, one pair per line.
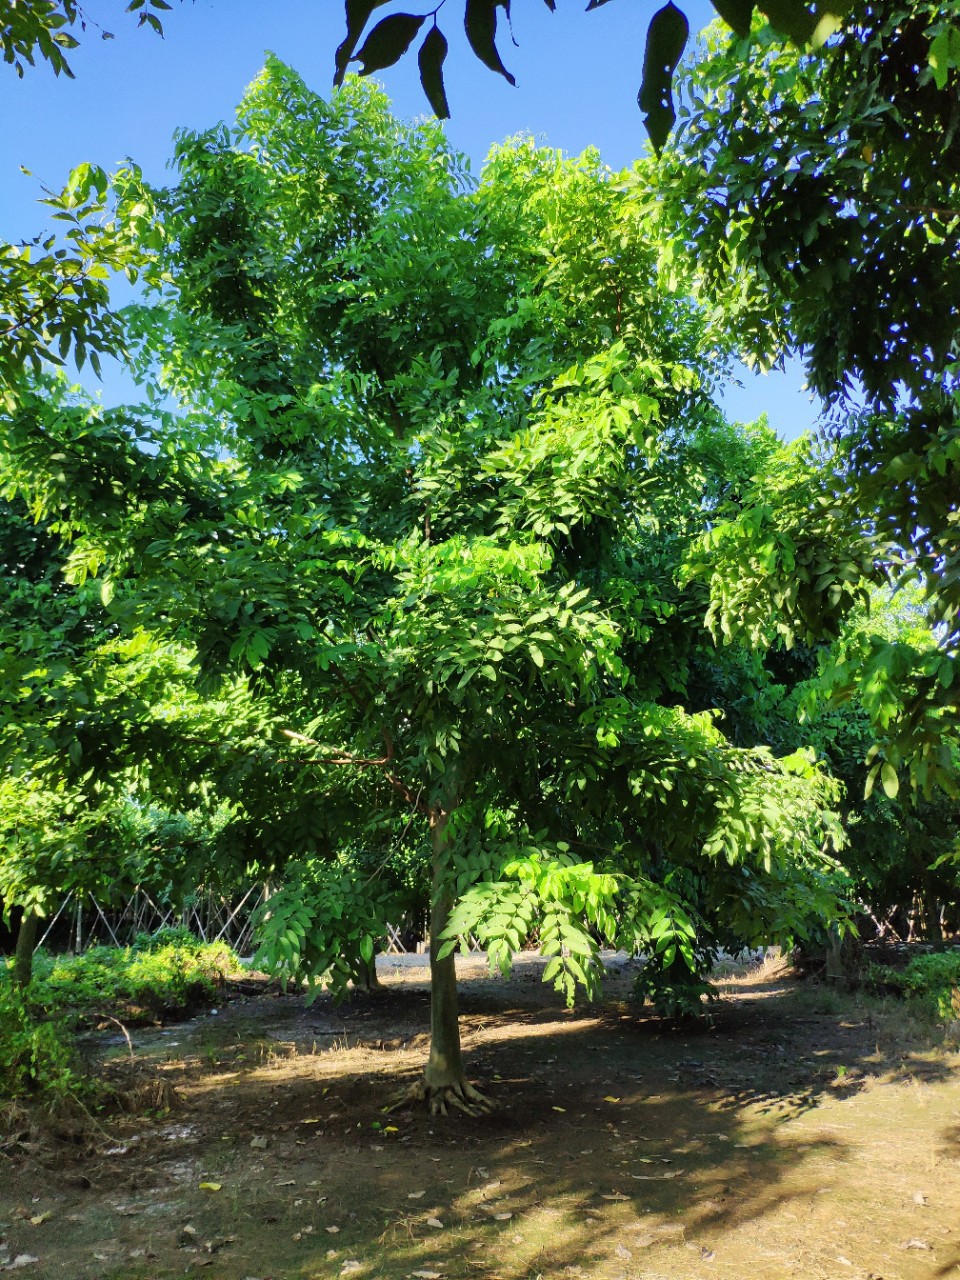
390,38
933,980
54,288
676,992
158,973
36,1057
819,203
47,28
437,457
170,971
322,924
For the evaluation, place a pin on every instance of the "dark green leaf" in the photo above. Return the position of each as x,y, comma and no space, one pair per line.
388,42
480,23
666,41
433,51
790,17
737,14
358,14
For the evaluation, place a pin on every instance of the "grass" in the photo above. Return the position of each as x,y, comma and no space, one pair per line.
160,975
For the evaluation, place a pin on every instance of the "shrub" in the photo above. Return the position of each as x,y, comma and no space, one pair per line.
36,1057
932,979
161,973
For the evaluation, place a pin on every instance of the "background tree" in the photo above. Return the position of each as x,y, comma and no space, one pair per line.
822,212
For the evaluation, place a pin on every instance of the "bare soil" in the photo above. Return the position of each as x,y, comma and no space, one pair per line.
808,1134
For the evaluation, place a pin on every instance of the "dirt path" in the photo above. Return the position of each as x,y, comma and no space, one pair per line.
806,1135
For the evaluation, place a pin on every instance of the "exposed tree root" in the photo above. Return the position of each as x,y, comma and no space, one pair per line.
460,1095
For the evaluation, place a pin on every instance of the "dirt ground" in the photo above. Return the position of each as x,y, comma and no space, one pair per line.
807,1134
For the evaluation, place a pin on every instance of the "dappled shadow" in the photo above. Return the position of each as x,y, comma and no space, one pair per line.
620,1146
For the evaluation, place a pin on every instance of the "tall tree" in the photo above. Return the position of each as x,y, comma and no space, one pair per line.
437,457
819,204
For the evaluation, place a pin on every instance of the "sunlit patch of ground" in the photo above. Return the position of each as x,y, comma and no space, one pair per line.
808,1134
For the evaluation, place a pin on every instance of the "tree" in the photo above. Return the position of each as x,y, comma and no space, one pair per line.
48,28
101,732
438,455
819,205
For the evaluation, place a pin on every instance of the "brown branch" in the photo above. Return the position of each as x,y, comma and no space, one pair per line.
365,762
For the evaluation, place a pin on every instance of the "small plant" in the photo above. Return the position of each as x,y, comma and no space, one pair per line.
933,980
35,1056
675,992
161,973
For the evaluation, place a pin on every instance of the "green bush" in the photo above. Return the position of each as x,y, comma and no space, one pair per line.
35,1055
932,979
160,973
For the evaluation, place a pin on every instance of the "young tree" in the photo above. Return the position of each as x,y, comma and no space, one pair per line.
438,456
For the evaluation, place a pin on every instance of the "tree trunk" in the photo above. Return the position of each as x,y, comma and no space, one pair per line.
444,1066
26,942
365,974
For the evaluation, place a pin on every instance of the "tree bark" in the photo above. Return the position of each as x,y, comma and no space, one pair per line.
23,953
445,1065
365,974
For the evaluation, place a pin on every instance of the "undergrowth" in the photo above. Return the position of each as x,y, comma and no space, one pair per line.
162,974
932,980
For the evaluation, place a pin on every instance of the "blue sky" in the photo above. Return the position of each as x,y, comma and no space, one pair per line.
577,79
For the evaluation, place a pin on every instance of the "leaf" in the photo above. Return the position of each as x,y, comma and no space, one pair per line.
211,1186
415,1195
388,42
889,780
358,12
430,60
790,17
435,1223
737,14
480,24
610,1098
666,41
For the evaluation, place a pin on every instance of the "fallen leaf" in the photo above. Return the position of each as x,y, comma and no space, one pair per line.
415,1195
621,1252
916,1244
610,1098
918,1198
616,1196
331,1231
435,1222
427,1275
350,1265
22,1260
211,1186
41,1217
258,1143
503,1217
559,1108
